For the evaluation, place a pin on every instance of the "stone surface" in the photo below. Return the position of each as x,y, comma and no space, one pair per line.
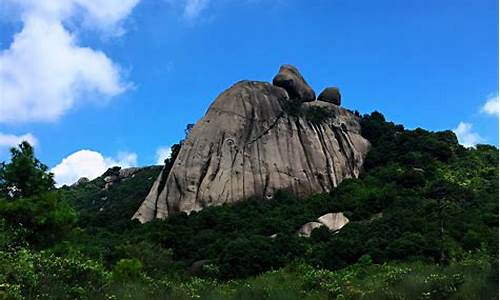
292,81
111,178
307,229
128,172
334,221
248,146
330,94
196,268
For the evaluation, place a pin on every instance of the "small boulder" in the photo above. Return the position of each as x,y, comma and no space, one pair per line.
306,229
107,185
296,86
196,268
111,178
330,94
419,170
334,221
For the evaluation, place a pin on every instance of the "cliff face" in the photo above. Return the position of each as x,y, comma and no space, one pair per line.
249,144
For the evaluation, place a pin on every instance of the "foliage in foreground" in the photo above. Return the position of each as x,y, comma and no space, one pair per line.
42,275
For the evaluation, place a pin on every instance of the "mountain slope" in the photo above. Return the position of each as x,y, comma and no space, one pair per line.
108,207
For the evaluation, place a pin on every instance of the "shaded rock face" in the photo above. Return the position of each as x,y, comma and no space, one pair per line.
248,146
331,94
296,86
307,229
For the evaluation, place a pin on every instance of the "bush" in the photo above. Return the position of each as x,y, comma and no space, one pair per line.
318,114
249,256
43,275
128,270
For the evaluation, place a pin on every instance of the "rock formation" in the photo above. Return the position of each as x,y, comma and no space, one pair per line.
332,221
307,229
116,174
296,86
249,145
330,94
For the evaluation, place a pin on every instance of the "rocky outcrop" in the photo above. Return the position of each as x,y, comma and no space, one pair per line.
330,94
332,221
248,145
128,172
307,229
110,180
296,86
115,175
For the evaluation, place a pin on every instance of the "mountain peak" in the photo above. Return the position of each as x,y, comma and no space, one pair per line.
257,138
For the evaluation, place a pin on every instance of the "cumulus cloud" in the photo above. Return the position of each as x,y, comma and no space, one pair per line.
162,153
45,72
90,164
466,136
12,140
490,107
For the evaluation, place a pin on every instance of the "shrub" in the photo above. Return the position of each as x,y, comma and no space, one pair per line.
127,270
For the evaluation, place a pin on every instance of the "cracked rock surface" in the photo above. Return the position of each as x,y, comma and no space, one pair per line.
247,145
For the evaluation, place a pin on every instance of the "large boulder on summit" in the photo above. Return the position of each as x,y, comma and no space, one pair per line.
248,145
295,85
330,94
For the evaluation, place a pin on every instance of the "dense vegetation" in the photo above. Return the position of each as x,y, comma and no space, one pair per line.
313,114
424,225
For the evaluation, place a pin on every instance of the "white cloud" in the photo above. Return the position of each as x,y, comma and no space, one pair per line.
44,72
90,164
162,153
11,140
490,107
466,136
194,8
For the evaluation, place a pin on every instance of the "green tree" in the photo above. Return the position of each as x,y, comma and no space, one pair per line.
28,198
25,175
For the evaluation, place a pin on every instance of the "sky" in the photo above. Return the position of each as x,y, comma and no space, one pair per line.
94,83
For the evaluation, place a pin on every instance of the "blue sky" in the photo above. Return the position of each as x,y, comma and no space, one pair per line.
123,80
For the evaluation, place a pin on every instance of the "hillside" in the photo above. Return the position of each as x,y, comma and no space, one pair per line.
99,206
423,224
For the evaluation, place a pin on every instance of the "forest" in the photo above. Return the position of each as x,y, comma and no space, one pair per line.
423,225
